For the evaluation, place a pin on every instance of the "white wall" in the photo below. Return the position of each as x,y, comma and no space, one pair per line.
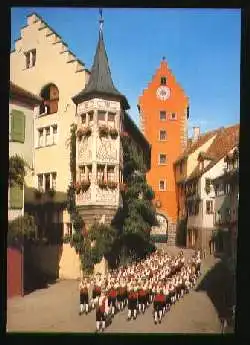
50,67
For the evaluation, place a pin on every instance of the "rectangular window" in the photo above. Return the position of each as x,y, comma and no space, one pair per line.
100,172
162,159
47,182
91,117
89,172
40,182
47,135
83,118
163,80
101,116
30,58
163,135
173,116
111,120
111,117
163,115
162,185
54,139
54,180
33,58
27,59
111,174
82,172
209,206
40,137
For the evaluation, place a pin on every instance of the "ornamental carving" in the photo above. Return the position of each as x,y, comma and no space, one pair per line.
84,149
106,150
82,197
106,195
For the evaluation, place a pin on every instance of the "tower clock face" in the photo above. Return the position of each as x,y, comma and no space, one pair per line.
163,93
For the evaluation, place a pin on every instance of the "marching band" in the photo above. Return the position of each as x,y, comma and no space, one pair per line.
160,279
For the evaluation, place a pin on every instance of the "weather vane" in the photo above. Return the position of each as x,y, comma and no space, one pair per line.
101,21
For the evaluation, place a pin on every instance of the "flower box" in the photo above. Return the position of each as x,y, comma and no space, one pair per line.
85,185
102,184
51,192
38,194
113,132
112,184
86,131
103,131
80,133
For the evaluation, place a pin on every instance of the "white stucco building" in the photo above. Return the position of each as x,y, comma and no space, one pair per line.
200,193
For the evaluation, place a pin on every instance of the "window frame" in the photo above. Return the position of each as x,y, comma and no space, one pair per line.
171,116
163,80
159,159
160,131
30,58
165,185
161,113
209,210
54,135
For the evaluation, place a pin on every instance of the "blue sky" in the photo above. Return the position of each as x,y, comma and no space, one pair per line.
201,46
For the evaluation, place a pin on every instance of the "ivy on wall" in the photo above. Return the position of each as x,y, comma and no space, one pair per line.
128,237
16,170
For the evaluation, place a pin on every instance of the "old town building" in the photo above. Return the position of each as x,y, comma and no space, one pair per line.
164,112
199,191
183,168
226,205
101,120
23,107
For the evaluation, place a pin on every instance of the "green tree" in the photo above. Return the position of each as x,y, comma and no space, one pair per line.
16,170
138,214
22,228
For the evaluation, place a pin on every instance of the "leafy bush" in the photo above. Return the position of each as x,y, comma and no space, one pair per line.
21,228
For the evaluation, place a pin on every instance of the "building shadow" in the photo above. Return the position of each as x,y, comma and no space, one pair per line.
41,266
218,283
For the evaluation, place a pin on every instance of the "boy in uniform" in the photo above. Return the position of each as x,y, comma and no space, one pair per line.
102,311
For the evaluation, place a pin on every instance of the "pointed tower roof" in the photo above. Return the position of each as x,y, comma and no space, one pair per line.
100,81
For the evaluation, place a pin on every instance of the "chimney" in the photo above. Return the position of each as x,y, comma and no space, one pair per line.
196,134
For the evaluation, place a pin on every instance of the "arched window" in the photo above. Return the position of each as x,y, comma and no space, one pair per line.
50,96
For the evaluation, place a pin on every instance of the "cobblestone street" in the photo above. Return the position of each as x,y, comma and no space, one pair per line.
55,309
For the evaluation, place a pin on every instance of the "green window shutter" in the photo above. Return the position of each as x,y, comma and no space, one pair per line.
17,126
16,197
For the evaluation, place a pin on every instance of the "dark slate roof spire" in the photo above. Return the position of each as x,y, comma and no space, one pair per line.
100,81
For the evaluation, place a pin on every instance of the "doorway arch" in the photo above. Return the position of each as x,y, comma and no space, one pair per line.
159,233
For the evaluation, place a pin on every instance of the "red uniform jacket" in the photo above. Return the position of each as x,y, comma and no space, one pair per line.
84,290
142,292
159,297
102,307
133,295
112,293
